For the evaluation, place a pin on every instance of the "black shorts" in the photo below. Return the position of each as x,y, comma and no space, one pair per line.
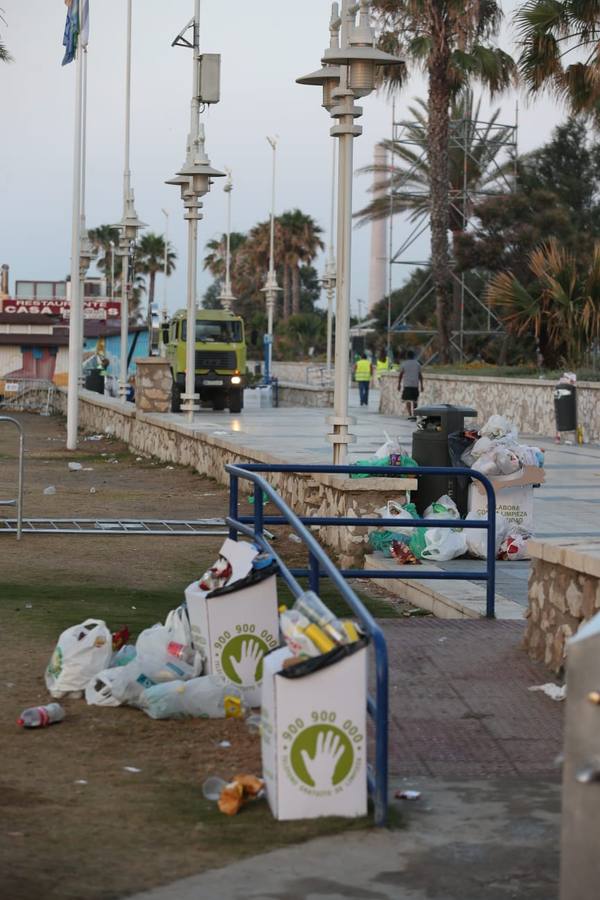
410,393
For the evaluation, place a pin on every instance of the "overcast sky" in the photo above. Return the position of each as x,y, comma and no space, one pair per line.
265,45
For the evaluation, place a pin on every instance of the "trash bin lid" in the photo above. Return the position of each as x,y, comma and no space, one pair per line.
443,409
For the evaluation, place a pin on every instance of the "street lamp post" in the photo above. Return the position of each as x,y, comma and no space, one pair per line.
271,287
86,250
329,277
226,296
348,73
130,224
165,309
194,180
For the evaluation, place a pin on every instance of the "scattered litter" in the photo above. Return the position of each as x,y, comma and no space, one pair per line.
134,607
131,769
224,744
554,691
407,795
41,716
104,454
9,684
220,432
80,781
94,437
442,639
253,724
294,537
81,652
92,490
29,606
138,459
49,490
570,443
74,466
88,469
169,468
233,795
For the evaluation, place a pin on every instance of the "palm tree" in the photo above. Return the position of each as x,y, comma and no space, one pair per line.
215,258
560,50
105,241
450,40
560,308
149,260
301,242
4,54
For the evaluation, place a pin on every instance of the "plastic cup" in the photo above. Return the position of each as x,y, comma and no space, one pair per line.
212,787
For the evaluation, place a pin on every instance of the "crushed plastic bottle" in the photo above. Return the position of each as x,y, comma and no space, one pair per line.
311,606
41,716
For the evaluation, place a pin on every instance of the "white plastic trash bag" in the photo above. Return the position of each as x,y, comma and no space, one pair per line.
157,664
394,510
444,508
499,428
178,624
114,687
391,445
444,543
514,546
81,652
477,538
208,697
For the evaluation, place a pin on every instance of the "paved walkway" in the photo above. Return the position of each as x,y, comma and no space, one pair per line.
481,748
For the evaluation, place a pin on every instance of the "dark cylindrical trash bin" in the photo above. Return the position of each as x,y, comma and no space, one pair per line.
430,448
95,381
565,407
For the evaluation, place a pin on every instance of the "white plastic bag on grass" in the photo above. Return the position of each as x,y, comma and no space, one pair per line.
209,697
178,624
81,652
157,664
444,508
114,687
443,544
477,538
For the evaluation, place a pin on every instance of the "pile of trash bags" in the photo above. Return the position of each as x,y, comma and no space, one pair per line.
410,544
161,674
495,449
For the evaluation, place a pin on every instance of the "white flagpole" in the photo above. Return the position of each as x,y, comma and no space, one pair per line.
75,305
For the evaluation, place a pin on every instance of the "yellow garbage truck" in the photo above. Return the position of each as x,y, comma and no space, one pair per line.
220,358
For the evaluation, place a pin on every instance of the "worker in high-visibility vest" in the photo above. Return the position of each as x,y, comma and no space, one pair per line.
363,371
383,365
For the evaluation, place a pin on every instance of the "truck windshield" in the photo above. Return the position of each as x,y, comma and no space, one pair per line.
216,332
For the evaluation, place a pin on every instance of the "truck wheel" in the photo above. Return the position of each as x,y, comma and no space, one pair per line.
175,398
219,403
236,401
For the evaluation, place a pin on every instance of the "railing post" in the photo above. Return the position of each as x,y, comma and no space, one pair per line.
258,510
490,605
313,577
380,799
233,504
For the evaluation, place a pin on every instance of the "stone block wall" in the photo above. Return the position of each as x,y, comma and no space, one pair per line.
564,591
528,402
304,395
306,494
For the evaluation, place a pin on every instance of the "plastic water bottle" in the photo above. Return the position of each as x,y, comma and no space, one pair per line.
182,651
41,716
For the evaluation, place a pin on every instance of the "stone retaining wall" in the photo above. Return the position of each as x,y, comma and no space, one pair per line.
564,591
528,402
297,372
304,395
309,495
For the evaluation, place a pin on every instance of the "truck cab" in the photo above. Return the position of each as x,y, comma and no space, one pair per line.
220,358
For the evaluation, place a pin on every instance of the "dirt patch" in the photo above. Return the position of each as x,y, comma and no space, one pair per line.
76,824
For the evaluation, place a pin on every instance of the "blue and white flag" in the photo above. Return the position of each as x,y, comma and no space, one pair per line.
71,34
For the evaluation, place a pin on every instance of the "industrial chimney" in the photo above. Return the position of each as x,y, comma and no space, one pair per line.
377,270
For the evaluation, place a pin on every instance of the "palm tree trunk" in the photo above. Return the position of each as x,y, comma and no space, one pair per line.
286,292
439,114
296,290
151,283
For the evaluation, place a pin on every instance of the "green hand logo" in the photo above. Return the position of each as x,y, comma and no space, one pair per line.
322,756
242,659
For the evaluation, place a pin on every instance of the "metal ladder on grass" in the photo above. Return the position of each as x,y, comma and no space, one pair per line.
18,501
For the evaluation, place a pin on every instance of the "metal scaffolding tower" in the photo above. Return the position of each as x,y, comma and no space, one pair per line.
489,147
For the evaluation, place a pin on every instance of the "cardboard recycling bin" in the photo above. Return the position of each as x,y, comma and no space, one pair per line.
235,627
514,495
314,738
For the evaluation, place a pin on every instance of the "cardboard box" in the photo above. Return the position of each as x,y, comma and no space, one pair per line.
235,630
514,495
314,739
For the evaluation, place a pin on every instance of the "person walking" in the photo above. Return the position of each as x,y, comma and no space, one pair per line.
412,376
363,370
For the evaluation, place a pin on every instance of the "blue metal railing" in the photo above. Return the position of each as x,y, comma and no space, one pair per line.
321,566
314,574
